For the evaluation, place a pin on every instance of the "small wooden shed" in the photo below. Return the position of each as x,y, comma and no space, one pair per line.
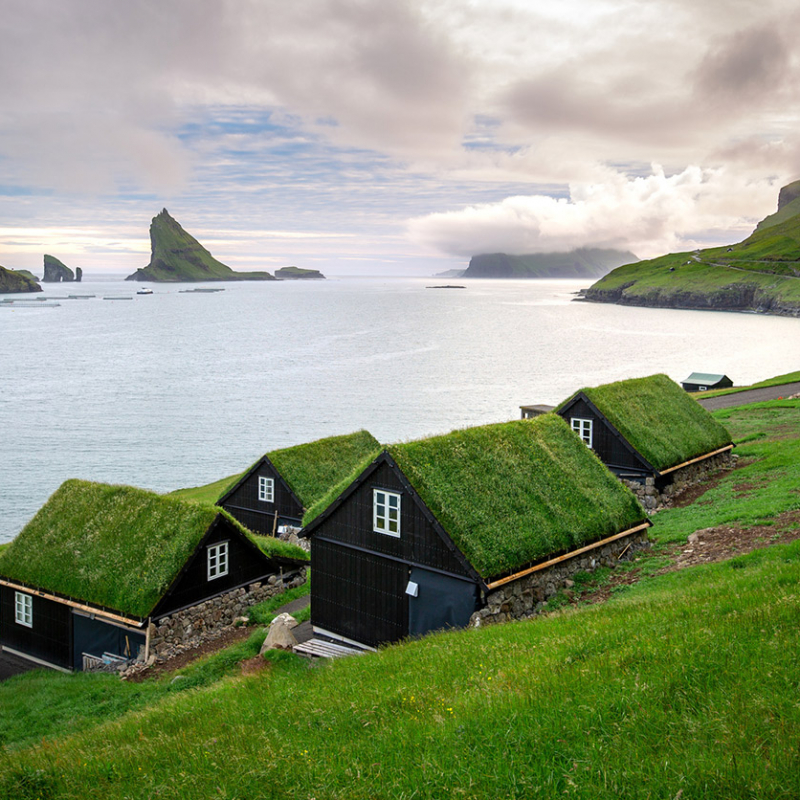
430,531
704,381
645,427
279,488
86,577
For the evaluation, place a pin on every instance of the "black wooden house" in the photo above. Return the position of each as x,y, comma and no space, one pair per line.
283,484
424,535
705,381
98,563
644,427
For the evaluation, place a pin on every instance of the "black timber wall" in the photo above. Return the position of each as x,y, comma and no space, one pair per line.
243,504
246,564
359,576
609,448
50,638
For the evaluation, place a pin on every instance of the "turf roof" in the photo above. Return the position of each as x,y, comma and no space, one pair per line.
658,419
114,546
311,469
517,492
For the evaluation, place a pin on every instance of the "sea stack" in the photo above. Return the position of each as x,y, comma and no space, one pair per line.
56,271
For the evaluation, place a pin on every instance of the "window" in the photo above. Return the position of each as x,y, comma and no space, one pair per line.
702,388
386,512
23,609
217,560
583,427
266,489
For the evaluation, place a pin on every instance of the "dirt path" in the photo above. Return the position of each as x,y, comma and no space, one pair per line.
749,396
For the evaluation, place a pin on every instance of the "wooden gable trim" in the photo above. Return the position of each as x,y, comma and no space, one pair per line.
623,441
240,482
97,611
698,458
437,526
309,529
566,556
234,533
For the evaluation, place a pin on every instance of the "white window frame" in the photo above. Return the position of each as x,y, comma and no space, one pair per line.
386,513
217,560
23,609
266,489
584,428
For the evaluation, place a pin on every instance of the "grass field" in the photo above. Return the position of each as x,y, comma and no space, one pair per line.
684,685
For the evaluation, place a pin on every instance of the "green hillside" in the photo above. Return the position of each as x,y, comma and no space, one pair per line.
761,273
12,282
580,263
176,256
681,686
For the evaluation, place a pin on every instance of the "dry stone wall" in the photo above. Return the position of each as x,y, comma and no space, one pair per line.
654,494
209,619
527,596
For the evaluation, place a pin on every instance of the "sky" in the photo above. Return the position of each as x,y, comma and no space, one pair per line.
391,137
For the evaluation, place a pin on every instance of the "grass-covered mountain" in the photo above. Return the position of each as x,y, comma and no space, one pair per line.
760,274
585,262
12,281
176,256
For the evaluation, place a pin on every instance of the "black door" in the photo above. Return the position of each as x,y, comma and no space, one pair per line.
439,602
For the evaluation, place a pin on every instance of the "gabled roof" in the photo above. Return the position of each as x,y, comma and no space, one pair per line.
704,377
658,419
311,469
514,493
117,547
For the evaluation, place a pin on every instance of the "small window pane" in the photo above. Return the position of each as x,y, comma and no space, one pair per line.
386,512
217,560
266,489
23,609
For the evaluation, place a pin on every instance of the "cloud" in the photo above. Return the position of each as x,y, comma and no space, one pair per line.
648,215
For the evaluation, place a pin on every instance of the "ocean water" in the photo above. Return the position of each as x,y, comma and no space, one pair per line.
182,388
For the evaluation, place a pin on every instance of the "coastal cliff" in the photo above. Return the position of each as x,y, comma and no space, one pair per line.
56,271
176,256
12,282
589,262
760,274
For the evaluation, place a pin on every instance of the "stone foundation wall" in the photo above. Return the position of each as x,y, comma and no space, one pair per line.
657,494
209,619
527,596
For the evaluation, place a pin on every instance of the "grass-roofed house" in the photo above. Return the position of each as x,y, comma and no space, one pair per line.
105,573
279,488
649,432
488,519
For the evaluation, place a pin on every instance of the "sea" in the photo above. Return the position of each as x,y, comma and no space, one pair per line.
182,387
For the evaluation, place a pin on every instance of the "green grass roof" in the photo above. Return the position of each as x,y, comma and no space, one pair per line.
517,492
659,419
114,546
311,469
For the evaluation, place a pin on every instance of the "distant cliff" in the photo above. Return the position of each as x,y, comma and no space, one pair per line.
585,262
761,273
297,274
12,282
56,271
176,256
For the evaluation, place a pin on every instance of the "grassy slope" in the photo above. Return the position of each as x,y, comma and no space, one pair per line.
659,419
210,492
12,281
762,272
687,683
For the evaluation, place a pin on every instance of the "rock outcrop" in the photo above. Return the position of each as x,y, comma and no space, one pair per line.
176,256
297,274
13,282
56,271
589,262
